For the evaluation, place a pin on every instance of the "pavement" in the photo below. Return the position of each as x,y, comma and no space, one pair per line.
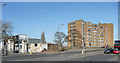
70,55
0,57
70,51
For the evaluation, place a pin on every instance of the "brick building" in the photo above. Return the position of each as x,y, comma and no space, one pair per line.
80,32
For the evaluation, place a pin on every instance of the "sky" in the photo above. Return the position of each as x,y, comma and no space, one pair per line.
60,0
33,18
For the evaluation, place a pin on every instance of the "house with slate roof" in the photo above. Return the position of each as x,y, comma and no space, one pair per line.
36,45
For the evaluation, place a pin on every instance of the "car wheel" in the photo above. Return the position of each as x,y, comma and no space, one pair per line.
104,52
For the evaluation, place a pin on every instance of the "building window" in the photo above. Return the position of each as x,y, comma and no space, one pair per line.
72,23
95,31
87,42
101,27
101,40
95,28
102,35
101,32
71,42
97,35
89,30
72,33
95,43
20,46
72,36
35,45
89,33
73,30
71,46
88,23
101,43
95,25
72,26
85,32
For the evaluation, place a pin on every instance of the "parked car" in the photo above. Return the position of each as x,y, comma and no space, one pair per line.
102,47
116,51
108,50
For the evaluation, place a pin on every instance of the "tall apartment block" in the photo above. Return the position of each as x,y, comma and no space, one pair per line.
80,32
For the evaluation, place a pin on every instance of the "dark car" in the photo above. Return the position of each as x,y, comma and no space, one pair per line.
108,50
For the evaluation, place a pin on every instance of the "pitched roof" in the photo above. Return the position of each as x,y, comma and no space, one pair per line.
34,40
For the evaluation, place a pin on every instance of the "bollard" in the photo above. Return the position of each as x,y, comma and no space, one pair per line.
30,52
82,52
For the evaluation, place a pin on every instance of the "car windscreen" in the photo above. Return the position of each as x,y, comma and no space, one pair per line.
116,49
107,49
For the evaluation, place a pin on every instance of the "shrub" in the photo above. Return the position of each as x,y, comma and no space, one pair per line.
63,49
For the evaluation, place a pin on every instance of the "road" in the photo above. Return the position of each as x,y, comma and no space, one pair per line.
94,55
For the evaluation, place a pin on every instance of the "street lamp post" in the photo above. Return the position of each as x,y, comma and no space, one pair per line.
89,41
83,44
2,41
106,36
59,38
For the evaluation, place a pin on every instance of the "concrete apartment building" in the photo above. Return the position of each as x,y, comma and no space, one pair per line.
80,32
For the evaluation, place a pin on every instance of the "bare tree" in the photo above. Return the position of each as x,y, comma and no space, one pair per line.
43,37
60,38
6,32
0,29
75,37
